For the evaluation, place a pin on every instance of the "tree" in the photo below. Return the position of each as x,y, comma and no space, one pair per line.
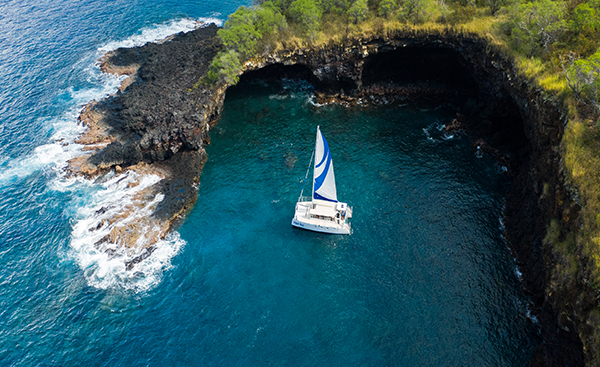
358,11
583,77
307,14
494,5
536,26
417,10
268,20
445,10
225,68
338,7
386,8
239,32
586,18
231,67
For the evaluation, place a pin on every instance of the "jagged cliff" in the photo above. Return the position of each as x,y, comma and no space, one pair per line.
503,113
159,124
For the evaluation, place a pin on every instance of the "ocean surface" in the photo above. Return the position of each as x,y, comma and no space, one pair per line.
426,278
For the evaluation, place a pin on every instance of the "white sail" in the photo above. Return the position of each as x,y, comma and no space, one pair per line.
323,176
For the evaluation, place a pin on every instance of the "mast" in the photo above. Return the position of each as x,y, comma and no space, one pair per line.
315,167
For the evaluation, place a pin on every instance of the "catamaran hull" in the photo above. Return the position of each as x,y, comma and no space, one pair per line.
320,228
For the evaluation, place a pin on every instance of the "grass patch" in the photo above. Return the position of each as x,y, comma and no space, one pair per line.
581,154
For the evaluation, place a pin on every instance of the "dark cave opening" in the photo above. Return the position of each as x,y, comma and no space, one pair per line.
415,65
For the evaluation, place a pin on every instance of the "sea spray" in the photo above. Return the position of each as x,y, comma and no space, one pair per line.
64,128
160,32
116,210
96,204
113,206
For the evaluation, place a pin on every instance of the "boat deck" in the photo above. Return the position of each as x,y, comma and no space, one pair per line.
322,218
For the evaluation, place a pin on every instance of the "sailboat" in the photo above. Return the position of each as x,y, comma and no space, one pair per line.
322,212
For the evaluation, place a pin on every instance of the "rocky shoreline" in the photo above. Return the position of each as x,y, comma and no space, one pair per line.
158,124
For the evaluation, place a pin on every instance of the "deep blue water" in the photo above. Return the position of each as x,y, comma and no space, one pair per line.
426,279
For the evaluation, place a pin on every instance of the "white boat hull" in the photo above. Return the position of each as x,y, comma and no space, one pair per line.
333,225
319,228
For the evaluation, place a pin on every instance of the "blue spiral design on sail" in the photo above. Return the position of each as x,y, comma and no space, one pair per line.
321,179
326,154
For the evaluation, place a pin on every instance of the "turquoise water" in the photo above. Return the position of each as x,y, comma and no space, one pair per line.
426,278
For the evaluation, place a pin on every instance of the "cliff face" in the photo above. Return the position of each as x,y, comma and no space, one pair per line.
503,114
160,125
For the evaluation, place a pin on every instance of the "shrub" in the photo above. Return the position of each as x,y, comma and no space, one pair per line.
535,26
307,14
586,18
460,14
358,11
226,67
417,11
583,78
337,7
387,8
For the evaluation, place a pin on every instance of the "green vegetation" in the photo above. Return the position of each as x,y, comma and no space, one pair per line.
359,11
555,45
535,27
546,37
386,8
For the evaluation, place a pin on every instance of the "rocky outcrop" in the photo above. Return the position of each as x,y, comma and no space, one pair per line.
160,114
160,123
156,124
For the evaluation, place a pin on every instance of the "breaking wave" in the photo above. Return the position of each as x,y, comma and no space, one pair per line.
160,32
108,207
104,264
64,130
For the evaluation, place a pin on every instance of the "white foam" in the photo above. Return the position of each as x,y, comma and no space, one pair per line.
160,32
97,205
279,97
42,156
311,100
64,130
518,273
104,265
448,136
531,316
428,135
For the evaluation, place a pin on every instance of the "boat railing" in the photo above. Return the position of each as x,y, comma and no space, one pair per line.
304,199
324,220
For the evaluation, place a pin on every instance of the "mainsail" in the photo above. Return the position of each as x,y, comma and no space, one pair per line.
323,177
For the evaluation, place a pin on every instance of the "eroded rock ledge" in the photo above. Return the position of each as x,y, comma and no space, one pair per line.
159,124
